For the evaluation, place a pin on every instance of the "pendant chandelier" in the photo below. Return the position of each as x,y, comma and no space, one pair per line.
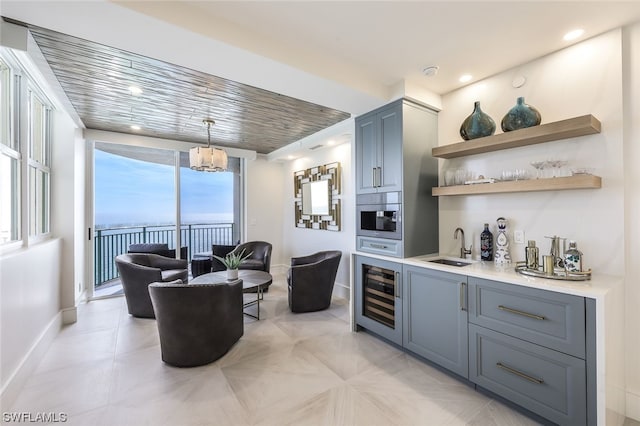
208,159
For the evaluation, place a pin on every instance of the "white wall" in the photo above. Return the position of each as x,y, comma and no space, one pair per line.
587,78
37,281
264,200
67,214
631,85
582,79
302,241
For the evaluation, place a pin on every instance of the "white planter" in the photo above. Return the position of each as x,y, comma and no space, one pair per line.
232,274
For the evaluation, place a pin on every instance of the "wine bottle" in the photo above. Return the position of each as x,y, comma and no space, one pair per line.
486,244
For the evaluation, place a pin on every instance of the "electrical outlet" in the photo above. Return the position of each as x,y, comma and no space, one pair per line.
518,236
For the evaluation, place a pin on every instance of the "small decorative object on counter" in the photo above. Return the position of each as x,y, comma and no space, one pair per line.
573,258
520,116
477,125
502,242
532,255
486,244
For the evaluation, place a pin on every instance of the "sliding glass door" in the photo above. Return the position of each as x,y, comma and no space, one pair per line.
137,192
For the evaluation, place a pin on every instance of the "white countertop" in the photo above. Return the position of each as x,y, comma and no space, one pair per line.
596,287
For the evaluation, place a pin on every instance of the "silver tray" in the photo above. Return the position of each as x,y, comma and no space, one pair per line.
521,268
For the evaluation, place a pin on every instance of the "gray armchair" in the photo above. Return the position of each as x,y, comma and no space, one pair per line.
197,323
138,270
157,248
260,259
311,279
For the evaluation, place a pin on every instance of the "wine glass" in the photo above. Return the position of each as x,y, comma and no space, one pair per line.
538,165
556,165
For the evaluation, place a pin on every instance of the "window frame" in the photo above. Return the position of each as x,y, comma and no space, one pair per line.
10,146
39,211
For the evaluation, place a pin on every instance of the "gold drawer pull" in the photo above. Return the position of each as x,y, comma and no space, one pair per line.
519,374
525,314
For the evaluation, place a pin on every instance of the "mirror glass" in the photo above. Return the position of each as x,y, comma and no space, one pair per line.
315,197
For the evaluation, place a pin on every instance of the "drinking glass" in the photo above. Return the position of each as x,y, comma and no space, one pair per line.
539,166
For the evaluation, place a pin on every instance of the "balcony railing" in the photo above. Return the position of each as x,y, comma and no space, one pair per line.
110,242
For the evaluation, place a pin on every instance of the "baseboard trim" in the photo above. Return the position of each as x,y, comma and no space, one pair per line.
633,406
69,315
341,290
30,361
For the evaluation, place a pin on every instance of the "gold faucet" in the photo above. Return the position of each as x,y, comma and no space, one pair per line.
463,251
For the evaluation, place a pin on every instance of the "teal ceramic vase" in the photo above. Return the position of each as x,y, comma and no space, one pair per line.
520,116
477,125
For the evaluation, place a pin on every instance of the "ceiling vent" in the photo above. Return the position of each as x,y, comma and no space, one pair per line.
313,148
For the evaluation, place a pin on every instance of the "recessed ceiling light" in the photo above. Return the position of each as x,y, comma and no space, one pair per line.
465,78
572,35
331,142
290,157
135,127
135,90
431,70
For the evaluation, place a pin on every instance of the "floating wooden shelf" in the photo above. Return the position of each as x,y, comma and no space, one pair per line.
531,185
565,129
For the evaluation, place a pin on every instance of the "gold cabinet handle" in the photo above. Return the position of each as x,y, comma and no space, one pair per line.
524,314
519,373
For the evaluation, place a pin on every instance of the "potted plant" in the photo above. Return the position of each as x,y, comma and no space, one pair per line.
232,262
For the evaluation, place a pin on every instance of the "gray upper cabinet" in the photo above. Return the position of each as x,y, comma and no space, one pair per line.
379,150
393,154
435,317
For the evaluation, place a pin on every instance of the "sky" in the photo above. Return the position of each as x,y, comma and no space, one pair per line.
133,192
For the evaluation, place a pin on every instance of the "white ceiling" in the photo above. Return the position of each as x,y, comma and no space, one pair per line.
350,56
385,42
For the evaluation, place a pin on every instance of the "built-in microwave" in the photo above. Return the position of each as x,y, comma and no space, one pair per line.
379,215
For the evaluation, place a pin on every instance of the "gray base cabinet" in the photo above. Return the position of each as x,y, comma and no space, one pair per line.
378,297
544,381
533,347
435,317
529,346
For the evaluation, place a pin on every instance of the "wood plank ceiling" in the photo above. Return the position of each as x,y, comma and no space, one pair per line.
174,99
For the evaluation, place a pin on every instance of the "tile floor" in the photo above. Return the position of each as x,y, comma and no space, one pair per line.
287,369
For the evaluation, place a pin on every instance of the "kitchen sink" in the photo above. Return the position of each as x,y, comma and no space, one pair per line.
450,262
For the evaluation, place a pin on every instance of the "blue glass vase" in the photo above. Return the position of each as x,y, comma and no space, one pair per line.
520,116
477,125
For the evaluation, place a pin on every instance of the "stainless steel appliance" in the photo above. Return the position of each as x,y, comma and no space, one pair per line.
379,215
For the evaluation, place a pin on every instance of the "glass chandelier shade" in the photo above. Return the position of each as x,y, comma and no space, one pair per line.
208,159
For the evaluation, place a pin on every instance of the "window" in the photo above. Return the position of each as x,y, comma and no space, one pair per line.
39,144
9,157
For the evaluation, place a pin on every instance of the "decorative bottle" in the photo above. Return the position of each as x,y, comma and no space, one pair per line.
573,258
532,255
520,116
477,125
502,242
486,244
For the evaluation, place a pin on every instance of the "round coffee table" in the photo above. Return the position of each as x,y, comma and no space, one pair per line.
251,281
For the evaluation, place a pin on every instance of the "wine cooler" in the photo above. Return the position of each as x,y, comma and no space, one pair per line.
379,294
378,297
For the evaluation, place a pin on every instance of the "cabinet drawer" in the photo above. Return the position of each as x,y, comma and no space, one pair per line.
379,246
549,383
550,319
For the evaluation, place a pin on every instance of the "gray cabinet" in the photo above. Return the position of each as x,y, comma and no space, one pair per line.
435,317
379,150
533,347
547,382
393,154
530,346
378,297
549,319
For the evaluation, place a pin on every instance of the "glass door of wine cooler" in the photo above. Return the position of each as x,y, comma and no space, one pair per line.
378,297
